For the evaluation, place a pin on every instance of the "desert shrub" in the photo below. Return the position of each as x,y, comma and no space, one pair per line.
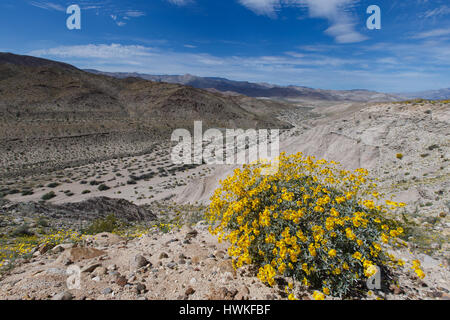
399,156
22,230
86,192
48,196
53,185
103,187
312,221
108,224
43,222
27,192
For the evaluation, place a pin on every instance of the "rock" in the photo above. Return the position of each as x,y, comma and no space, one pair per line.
140,288
138,262
100,271
107,291
171,265
77,254
104,239
245,290
445,296
56,271
91,267
442,214
189,291
223,292
113,273
243,294
233,292
435,294
219,254
191,234
121,281
63,296
112,267
62,247
65,261
163,255
196,260
44,248
395,289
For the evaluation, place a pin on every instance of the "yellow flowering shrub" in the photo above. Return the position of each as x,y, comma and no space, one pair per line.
313,221
23,246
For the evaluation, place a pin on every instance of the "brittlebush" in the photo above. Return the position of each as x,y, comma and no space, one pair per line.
312,221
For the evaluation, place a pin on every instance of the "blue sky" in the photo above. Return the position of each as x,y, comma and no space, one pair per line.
315,43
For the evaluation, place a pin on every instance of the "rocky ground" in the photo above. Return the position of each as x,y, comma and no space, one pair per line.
185,264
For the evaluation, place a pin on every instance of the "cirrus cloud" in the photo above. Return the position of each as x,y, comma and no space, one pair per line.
342,24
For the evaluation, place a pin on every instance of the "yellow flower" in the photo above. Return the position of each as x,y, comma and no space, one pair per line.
332,253
318,295
357,255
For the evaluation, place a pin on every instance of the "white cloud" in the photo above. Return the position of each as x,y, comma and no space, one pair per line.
441,11
92,51
342,25
394,68
432,34
134,13
262,7
180,2
47,5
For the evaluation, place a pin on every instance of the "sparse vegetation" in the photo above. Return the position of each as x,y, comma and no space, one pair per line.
108,224
48,196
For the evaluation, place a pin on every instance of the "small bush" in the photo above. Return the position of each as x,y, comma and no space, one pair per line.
86,191
53,185
22,231
399,156
27,193
48,196
103,187
41,221
108,224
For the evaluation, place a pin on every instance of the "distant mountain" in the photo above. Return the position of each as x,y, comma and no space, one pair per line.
442,94
48,107
36,89
260,90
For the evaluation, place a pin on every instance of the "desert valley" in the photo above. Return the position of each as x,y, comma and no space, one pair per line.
86,179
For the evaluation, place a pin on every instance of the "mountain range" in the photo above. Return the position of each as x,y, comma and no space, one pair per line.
260,90
442,94
48,107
